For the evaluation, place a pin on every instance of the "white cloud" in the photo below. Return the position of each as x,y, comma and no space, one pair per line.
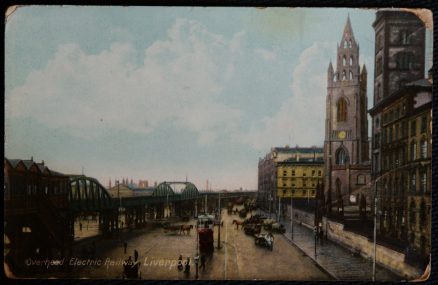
177,82
265,54
300,119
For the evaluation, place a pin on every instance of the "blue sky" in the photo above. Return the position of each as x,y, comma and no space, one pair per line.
161,93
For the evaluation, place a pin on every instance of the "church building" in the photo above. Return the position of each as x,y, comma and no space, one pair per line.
346,144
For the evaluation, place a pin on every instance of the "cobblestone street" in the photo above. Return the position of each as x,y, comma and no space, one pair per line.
238,258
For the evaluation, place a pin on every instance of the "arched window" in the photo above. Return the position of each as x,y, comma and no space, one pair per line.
423,177
412,214
341,110
350,43
379,91
344,75
423,148
344,60
379,66
342,156
345,44
413,150
351,60
422,213
351,75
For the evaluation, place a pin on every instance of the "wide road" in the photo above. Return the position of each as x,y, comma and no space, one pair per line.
238,257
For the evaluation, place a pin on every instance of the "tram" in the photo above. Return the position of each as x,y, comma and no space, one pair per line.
205,227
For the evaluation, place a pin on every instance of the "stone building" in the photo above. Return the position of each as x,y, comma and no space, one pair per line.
402,133
286,169
346,145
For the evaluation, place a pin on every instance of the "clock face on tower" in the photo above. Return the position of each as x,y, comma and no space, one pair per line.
341,135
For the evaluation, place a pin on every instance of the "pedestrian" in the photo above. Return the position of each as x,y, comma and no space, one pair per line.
187,269
125,245
203,262
135,255
180,263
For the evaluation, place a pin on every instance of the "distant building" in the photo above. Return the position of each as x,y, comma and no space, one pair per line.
286,172
402,133
298,176
346,145
143,184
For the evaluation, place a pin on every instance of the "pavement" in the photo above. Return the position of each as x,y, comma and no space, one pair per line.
237,259
336,260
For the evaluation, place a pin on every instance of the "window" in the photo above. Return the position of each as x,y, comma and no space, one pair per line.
341,156
379,42
344,60
313,172
304,173
341,110
351,60
423,176
304,184
404,60
413,181
413,128
304,192
379,66
405,38
284,173
390,134
422,213
361,179
413,150
350,43
293,172
396,132
379,91
423,148
319,172
351,75
412,215
423,124
344,75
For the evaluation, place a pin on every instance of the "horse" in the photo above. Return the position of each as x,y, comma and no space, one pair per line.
238,223
185,228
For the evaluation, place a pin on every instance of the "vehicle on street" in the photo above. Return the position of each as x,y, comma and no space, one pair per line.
252,229
204,228
265,240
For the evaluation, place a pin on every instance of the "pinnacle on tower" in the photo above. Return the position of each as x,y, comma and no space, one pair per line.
348,36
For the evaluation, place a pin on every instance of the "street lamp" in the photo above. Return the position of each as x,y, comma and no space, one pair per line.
291,217
219,225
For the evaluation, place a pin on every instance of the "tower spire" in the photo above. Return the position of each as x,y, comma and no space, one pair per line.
348,32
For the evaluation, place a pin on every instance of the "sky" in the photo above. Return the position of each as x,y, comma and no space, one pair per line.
170,93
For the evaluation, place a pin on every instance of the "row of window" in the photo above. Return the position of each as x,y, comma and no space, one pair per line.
314,172
344,60
399,157
303,192
399,131
345,76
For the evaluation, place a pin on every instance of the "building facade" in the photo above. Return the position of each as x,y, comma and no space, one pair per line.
346,145
401,131
286,172
298,177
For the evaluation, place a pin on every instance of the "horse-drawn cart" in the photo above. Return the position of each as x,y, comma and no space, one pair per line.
266,240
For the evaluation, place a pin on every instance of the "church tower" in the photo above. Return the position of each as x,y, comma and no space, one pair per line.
346,146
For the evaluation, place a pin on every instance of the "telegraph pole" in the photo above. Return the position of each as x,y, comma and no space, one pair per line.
219,225
291,218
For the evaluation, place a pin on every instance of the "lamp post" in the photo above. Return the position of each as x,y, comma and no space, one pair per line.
219,225
291,218
270,202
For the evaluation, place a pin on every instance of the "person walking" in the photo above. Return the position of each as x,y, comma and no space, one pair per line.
187,268
125,245
180,263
